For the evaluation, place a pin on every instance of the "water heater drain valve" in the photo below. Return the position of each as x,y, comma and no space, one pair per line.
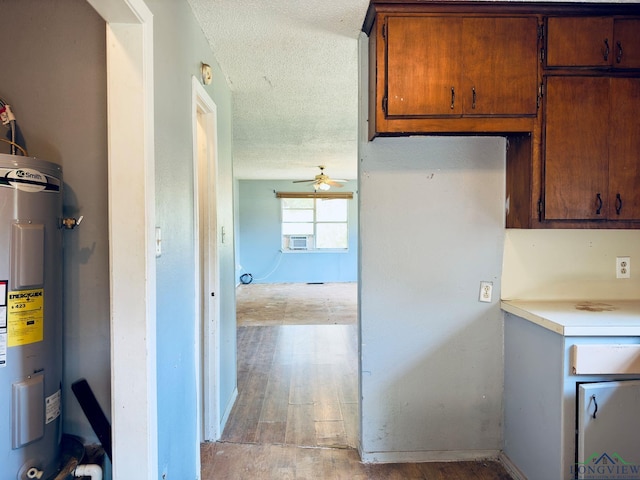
71,223
34,473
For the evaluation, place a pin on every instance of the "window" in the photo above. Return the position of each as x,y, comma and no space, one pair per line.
315,224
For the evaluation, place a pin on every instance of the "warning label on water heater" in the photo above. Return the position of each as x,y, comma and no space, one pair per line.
3,323
52,408
25,311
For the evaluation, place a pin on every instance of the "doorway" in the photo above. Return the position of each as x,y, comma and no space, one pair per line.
207,280
297,366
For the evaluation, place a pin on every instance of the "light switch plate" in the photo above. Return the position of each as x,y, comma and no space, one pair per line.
158,242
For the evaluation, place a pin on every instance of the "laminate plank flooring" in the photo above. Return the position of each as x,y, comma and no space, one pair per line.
296,412
295,384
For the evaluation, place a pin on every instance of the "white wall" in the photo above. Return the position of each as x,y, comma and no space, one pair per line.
569,264
431,228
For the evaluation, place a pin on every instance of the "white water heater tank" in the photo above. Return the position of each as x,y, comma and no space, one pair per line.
30,316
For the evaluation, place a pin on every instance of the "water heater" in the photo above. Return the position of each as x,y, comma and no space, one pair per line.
30,316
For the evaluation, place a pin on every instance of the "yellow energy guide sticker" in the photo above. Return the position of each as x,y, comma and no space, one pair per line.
25,322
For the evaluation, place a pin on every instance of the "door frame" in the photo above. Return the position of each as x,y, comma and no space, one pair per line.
132,263
207,267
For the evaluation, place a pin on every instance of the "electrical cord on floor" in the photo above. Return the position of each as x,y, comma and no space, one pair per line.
248,277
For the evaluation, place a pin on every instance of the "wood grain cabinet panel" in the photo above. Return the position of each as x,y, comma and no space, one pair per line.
423,66
624,149
591,148
500,56
476,73
596,42
461,66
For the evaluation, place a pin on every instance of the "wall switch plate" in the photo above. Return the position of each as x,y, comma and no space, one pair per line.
486,290
623,267
158,242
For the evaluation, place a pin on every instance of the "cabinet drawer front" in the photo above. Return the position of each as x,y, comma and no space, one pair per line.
579,41
605,359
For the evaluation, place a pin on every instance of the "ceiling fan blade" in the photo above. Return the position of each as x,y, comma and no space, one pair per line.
303,181
334,183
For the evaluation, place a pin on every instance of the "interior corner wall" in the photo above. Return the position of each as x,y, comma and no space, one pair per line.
431,229
260,239
179,49
54,77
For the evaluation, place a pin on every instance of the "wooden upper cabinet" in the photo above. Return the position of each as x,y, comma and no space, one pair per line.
591,148
627,42
500,64
576,150
624,149
460,66
423,66
596,42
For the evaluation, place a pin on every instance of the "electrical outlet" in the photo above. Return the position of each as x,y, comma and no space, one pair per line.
486,289
623,267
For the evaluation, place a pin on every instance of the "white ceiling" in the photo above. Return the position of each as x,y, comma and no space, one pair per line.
292,66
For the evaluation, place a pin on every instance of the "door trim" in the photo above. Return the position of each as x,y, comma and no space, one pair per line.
207,248
131,186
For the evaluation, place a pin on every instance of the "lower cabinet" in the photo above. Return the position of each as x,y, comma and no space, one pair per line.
545,404
608,433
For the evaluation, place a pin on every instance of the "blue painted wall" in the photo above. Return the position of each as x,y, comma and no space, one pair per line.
259,239
180,46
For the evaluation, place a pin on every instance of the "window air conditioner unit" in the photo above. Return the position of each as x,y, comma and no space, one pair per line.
297,243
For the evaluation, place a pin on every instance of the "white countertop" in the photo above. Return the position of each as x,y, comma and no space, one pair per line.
580,318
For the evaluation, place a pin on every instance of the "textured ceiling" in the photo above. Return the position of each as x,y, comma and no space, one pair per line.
292,66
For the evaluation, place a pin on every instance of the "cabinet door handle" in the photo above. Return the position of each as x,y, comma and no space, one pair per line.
598,203
619,56
473,91
453,97
618,204
606,49
595,404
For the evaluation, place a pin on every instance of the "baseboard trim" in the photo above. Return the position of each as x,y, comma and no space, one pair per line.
227,412
511,468
429,456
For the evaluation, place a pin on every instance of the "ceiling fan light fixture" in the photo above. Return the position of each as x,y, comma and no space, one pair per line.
322,182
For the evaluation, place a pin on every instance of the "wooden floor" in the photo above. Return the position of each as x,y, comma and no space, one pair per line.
296,412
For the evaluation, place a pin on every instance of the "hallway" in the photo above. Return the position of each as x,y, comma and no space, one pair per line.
296,412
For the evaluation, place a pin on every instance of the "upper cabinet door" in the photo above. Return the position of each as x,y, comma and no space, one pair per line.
597,42
500,65
579,41
423,66
576,148
626,50
453,66
624,150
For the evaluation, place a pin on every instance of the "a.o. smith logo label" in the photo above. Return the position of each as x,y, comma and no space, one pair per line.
28,180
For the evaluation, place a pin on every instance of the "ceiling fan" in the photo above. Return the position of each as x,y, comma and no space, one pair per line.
322,181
